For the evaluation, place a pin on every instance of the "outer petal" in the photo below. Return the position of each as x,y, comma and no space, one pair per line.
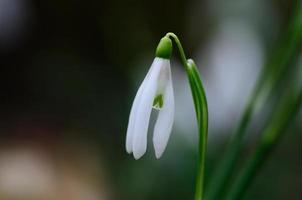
164,122
133,113
144,110
132,117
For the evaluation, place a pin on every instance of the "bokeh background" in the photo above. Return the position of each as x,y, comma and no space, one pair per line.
69,71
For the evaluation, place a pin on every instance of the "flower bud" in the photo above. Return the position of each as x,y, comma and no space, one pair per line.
164,48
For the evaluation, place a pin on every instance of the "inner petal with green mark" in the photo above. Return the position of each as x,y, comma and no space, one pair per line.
158,102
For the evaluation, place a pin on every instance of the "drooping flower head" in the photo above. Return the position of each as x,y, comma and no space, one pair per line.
155,92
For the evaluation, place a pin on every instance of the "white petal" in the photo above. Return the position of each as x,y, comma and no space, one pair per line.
133,113
164,122
132,117
144,110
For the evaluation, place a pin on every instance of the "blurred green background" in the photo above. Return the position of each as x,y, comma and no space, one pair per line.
69,71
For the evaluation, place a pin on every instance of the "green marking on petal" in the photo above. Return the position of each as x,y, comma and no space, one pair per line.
158,102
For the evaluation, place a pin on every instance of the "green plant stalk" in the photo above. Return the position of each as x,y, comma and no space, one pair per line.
201,109
287,110
267,82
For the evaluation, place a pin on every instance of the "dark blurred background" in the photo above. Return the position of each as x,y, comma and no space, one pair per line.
70,69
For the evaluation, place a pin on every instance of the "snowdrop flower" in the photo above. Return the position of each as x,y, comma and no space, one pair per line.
156,91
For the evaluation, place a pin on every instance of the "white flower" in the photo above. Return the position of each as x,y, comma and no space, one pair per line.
156,92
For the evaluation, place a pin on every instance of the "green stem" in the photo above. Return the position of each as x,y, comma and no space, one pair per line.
201,109
180,49
268,81
287,110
